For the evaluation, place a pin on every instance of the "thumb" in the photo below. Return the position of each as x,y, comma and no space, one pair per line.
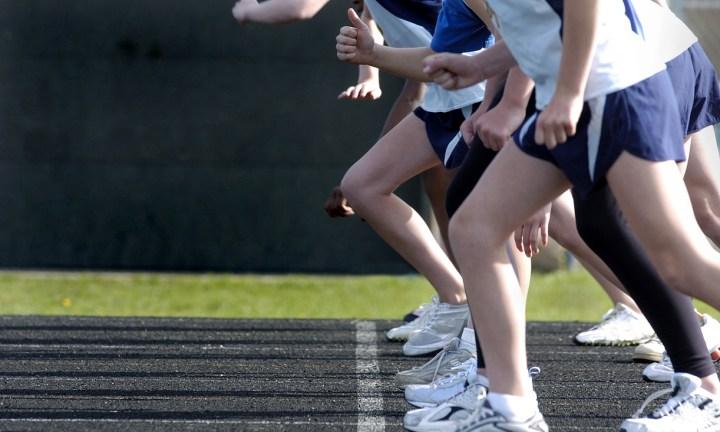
355,19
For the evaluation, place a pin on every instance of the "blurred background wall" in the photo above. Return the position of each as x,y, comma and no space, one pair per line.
162,135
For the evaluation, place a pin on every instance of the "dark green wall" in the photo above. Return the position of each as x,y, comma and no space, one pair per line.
161,135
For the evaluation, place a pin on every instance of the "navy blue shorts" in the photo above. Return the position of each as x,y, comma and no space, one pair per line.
696,88
443,132
641,119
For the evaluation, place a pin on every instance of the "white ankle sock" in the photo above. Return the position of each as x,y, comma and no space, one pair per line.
514,408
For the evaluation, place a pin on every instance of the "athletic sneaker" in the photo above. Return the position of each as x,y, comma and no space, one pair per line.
444,416
486,419
437,392
653,350
690,409
620,326
403,332
663,371
440,325
418,312
650,351
451,359
433,394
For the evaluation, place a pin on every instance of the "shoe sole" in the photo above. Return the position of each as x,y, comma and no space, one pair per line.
647,358
424,350
615,343
420,404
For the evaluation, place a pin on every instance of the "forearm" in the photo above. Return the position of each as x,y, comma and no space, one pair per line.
408,99
403,62
580,34
283,11
518,90
479,7
494,61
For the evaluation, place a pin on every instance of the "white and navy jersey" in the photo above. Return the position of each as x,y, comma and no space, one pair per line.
533,31
411,24
666,35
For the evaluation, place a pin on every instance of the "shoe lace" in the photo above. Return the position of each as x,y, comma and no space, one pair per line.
673,405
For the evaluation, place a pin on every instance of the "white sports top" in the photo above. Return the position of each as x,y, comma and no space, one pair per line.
400,33
666,35
531,29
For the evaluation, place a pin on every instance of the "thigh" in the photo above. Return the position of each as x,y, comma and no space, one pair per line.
512,189
703,169
398,156
655,203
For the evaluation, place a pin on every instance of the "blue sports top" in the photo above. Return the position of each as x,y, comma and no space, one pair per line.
459,30
404,28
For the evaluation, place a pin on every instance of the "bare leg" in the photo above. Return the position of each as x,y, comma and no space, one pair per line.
658,209
479,232
703,182
436,181
369,185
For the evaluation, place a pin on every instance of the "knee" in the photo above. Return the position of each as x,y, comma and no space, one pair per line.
469,233
674,273
355,187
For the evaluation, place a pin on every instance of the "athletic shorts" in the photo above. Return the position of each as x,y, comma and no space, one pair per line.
443,131
696,88
641,119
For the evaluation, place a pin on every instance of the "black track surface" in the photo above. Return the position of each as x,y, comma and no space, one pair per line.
140,374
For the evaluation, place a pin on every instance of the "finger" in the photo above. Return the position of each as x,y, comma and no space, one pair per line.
350,32
432,64
345,40
356,91
466,129
539,134
354,18
544,234
527,233
375,94
345,49
560,135
570,129
535,240
343,95
548,131
518,239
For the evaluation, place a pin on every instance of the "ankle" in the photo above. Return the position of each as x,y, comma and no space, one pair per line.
711,384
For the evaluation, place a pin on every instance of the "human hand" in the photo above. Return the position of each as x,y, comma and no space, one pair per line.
452,71
336,205
559,120
497,126
365,90
534,232
241,9
355,43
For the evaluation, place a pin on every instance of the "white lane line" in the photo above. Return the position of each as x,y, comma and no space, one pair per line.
370,401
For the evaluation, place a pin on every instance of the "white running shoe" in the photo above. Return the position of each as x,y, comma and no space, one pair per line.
439,326
650,351
663,371
486,419
403,332
451,359
443,417
620,326
437,392
690,409
653,350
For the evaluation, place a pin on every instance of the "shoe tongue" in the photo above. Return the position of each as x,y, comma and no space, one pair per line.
684,383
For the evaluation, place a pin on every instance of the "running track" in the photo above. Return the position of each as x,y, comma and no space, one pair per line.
146,374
